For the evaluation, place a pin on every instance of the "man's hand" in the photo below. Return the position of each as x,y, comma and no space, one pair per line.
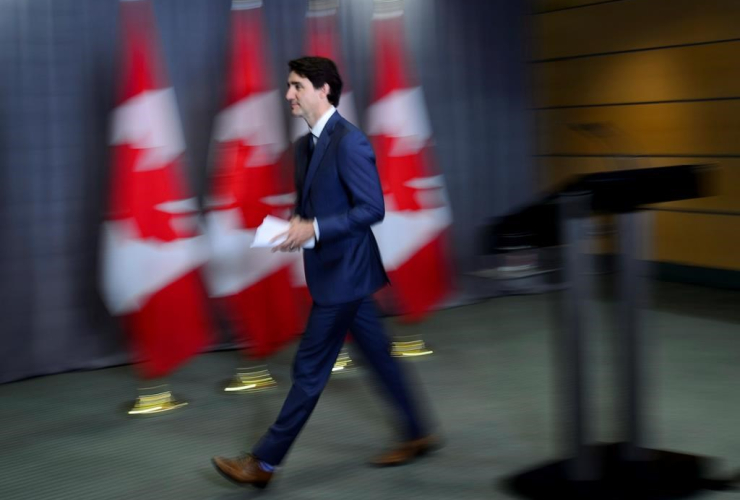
300,231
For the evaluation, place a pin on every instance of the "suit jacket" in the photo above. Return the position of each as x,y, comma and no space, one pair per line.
340,188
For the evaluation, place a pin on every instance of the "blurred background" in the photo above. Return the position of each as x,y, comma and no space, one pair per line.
60,88
519,97
142,142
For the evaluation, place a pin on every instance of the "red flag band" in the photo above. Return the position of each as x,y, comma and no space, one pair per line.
413,236
151,248
254,284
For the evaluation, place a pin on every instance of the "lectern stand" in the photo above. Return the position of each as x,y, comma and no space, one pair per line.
624,470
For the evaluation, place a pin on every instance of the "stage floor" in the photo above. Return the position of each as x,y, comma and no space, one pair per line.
489,385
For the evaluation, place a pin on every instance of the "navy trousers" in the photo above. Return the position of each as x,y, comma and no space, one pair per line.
317,352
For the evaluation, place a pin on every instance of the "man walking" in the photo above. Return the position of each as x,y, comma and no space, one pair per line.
339,198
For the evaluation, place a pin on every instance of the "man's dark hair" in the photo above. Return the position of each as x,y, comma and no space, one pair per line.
319,70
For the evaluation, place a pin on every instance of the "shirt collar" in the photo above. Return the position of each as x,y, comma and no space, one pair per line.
321,123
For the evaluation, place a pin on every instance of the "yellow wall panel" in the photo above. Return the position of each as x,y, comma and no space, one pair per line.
630,25
697,239
694,128
700,72
701,67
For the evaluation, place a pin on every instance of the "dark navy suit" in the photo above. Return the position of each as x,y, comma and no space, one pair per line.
340,188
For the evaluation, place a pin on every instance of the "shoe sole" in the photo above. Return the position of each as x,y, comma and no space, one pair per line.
261,485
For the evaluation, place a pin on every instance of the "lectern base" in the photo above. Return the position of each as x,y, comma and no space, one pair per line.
663,475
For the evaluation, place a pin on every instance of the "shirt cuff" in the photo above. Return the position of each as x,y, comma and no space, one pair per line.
316,229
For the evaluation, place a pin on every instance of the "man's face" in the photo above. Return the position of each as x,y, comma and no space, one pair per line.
305,100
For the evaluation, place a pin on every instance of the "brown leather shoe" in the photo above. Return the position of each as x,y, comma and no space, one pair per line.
408,451
243,470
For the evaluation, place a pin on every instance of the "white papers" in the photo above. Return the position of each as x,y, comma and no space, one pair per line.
269,229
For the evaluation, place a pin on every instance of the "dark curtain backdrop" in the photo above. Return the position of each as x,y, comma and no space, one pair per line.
57,87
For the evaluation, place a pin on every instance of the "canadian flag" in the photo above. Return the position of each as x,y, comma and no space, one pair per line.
322,39
250,141
150,243
413,236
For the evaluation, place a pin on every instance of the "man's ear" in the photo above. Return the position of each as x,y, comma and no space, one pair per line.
326,89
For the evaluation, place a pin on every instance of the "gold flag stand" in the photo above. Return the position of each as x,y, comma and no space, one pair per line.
343,363
155,400
250,380
409,346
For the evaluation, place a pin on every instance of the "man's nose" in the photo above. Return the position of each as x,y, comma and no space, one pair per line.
289,94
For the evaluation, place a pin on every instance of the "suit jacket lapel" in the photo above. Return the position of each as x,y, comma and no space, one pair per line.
318,153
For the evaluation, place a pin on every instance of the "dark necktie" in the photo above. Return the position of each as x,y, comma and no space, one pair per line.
311,147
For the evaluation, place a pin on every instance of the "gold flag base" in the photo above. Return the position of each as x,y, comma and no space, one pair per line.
155,401
409,347
343,363
250,380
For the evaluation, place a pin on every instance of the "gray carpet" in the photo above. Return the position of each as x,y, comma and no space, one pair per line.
489,385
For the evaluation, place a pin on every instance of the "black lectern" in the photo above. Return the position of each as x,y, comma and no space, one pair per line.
624,470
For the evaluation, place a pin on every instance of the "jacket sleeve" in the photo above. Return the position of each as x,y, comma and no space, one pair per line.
357,170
